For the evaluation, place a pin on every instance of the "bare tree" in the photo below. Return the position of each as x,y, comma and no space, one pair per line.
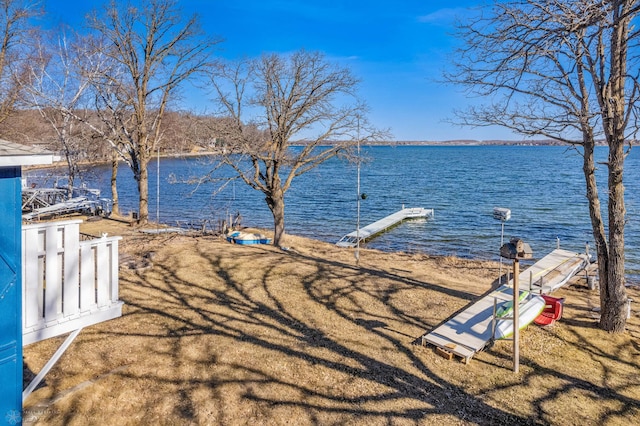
154,52
16,35
57,86
271,101
567,70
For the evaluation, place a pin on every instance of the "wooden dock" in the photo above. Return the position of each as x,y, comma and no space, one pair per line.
470,331
380,226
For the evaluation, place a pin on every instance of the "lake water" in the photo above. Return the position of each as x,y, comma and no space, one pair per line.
542,186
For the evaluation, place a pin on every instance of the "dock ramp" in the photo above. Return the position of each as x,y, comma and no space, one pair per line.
470,330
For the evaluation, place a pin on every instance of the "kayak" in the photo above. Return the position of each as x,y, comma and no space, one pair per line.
530,307
506,308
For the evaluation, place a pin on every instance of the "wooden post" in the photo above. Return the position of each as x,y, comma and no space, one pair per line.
516,322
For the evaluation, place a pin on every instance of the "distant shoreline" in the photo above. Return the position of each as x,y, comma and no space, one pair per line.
461,142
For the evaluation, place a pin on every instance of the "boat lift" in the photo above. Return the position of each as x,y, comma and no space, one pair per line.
378,227
41,203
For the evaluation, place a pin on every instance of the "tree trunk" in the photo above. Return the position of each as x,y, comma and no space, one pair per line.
72,174
595,212
115,208
143,189
275,201
613,296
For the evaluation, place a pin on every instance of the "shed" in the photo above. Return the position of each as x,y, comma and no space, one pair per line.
12,157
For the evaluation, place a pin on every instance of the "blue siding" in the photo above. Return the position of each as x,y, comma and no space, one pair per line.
10,296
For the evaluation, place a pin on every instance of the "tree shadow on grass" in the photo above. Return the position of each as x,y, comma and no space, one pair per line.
260,314
317,340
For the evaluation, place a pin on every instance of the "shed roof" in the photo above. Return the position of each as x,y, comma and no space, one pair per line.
14,154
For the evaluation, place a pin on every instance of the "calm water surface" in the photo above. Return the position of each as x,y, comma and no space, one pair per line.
542,186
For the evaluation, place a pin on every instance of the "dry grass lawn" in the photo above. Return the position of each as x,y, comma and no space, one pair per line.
220,334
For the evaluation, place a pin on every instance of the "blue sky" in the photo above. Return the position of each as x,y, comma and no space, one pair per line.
397,49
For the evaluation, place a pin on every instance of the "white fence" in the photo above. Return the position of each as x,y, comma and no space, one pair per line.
67,284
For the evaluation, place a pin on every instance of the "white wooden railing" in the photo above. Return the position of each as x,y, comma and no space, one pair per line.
67,284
